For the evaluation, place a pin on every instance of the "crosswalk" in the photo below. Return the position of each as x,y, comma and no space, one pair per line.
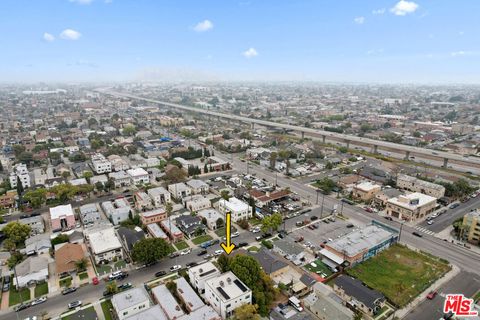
425,230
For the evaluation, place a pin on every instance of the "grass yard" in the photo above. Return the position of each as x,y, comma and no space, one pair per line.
106,306
254,221
181,245
253,249
201,239
400,273
66,282
41,289
14,296
103,269
83,275
221,231
319,269
120,264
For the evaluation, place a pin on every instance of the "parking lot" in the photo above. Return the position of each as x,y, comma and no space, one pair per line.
324,232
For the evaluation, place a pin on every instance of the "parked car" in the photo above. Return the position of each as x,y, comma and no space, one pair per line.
117,275
350,225
207,256
95,281
175,268
242,244
430,222
74,304
313,218
21,307
415,233
38,301
191,264
454,205
185,252
299,239
6,283
431,295
69,290
201,253
218,252
299,223
388,218
174,255
160,273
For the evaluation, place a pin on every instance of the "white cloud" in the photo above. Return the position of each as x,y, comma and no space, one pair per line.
461,53
82,1
70,34
250,53
379,11
404,7
203,26
48,37
359,20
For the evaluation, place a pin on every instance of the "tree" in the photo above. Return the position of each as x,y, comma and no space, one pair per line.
16,232
219,223
99,186
149,250
19,187
81,264
168,209
225,194
417,134
223,262
243,223
15,258
271,223
326,185
199,231
92,122
87,175
129,130
205,168
246,312
1,166
111,287
273,160
174,175
61,238
36,197
329,165
358,316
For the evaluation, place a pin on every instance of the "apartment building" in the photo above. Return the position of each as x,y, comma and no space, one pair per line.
20,173
100,164
365,191
160,196
417,185
471,227
239,210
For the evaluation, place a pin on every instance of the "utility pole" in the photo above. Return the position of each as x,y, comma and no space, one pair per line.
321,211
400,233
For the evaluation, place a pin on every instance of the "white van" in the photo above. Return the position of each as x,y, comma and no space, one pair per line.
294,302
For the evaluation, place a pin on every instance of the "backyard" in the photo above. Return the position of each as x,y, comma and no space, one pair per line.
400,273
319,267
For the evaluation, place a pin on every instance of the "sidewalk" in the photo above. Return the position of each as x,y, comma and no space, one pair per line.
447,234
401,313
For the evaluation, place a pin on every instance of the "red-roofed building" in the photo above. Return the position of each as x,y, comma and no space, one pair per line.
262,199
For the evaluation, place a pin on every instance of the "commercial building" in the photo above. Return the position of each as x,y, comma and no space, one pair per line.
160,196
411,207
62,217
417,185
365,191
201,273
225,293
239,210
130,302
471,227
360,245
100,164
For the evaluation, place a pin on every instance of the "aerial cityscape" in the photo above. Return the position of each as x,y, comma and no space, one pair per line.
207,160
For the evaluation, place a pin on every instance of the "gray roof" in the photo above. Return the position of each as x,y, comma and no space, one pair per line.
288,247
129,298
329,308
31,265
355,288
204,313
153,313
269,261
167,301
187,294
392,192
129,237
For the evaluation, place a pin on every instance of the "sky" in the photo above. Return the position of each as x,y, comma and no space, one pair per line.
399,41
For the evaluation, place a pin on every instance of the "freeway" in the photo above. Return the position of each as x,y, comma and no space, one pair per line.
327,134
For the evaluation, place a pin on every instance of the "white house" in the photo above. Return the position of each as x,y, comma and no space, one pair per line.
197,186
239,210
120,179
226,292
196,203
212,216
138,176
201,273
160,196
100,165
179,190
104,245
117,211
31,270
130,302
20,173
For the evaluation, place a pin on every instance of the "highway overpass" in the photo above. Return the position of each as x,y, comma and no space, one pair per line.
347,139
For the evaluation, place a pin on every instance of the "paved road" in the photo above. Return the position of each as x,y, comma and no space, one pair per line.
466,283
445,220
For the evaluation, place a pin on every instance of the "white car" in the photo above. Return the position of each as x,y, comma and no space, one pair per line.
175,268
218,252
430,222
38,301
185,252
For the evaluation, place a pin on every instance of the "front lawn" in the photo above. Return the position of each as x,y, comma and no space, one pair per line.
106,306
181,245
103,269
201,239
41,289
221,231
253,249
66,282
83,275
14,296
399,273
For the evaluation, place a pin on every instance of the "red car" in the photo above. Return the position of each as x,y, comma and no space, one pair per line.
431,295
95,281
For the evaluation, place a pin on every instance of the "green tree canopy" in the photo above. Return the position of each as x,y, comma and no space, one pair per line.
16,232
272,222
149,250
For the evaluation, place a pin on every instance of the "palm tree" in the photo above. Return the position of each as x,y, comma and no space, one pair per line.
81,264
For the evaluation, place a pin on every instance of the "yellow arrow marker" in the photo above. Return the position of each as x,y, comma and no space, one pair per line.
228,247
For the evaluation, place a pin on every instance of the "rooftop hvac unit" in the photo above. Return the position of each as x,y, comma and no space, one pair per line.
222,284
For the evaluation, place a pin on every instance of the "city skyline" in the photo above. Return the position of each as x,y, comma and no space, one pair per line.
381,41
